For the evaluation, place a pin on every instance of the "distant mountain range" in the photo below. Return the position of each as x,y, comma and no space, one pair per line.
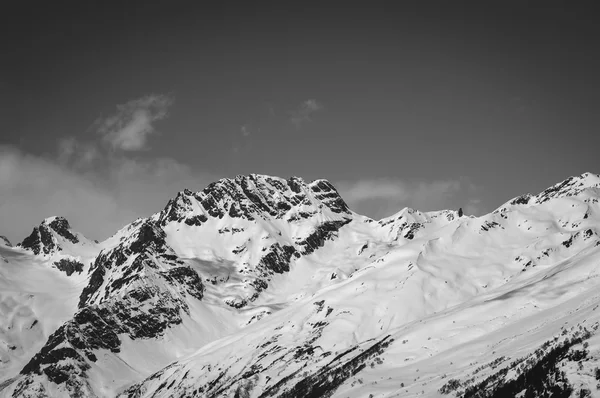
260,286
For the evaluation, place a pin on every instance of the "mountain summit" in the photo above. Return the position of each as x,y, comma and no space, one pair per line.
249,197
45,238
260,286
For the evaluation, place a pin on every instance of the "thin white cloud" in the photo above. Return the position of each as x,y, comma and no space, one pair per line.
305,110
76,153
378,198
473,207
245,130
97,189
97,202
130,127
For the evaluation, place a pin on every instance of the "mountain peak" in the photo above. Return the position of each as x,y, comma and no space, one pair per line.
254,196
590,179
320,284
572,186
43,238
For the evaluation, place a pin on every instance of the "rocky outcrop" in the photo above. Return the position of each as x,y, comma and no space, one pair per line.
321,234
122,265
69,266
258,197
138,288
249,197
570,187
61,226
41,241
327,194
5,240
44,238
142,313
277,259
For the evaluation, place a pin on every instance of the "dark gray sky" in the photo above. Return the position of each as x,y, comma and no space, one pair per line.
108,109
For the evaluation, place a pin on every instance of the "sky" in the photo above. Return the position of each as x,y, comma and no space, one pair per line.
108,110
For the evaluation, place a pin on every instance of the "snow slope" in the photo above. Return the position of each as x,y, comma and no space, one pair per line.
39,292
259,286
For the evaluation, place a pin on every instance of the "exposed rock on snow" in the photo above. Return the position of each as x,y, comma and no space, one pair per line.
260,286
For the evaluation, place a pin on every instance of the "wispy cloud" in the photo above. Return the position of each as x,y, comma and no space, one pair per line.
379,198
98,189
303,113
97,201
76,153
473,207
245,130
129,128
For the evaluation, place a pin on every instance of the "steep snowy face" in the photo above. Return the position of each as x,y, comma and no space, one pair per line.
65,249
137,290
254,226
259,286
206,253
409,223
466,305
40,282
572,186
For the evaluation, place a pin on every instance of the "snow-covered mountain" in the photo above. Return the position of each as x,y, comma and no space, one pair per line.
264,287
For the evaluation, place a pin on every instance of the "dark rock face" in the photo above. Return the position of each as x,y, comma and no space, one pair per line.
278,258
489,225
141,288
61,226
570,187
40,241
5,240
255,197
412,230
130,302
249,197
149,236
47,359
537,375
582,235
321,234
98,327
326,380
196,220
147,242
521,200
186,278
295,184
555,190
95,282
321,382
69,266
180,209
326,193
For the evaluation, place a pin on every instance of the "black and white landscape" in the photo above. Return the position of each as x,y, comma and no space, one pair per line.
260,286
256,199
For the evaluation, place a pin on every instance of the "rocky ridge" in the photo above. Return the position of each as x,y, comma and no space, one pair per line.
231,246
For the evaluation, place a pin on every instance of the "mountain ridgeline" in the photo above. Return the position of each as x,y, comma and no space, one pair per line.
260,286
